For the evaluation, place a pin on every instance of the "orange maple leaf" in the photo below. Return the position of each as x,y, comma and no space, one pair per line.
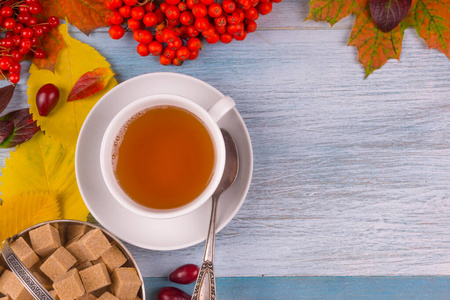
86,15
431,19
331,11
375,47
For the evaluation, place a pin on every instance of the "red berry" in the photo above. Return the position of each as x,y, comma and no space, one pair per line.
190,3
194,44
177,62
182,54
150,6
15,67
226,38
134,24
38,31
200,10
250,25
175,44
137,13
194,55
32,21
169,35
264,8
39,53
172,293
35,8
125,11
164,61
9,23
46,99
145,37
26,33
116,18
187,18
202,24
182,6
5,63
192,31
172,12
229,6
116,32
6,11
169,53
155,48
244,4
240,35
215,10
214,38
150,19
142,49
14,77
251,14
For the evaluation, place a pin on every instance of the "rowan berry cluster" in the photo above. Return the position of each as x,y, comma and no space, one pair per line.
20,30
174,29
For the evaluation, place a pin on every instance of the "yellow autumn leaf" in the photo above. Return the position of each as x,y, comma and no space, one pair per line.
43,164
65,120
21,211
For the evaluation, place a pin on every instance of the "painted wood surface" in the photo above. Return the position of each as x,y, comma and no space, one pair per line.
297,288
351,176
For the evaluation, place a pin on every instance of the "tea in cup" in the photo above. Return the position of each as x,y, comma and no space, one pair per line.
163,155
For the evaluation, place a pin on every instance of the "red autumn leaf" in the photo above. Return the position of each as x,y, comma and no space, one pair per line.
90,83
24,127
6,128
52,43
387,14
431,18
86,15
6,94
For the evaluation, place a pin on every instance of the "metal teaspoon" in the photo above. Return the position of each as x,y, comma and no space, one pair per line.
205,287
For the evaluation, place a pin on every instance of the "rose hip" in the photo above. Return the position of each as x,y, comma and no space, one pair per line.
185,274
172,293
46,99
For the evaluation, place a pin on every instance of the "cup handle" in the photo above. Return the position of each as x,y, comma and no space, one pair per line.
218,110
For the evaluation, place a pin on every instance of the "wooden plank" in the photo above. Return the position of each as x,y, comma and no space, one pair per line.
351,176
296,288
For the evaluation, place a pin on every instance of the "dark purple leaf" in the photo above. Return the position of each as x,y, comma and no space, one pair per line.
24,127
6,128
387,14
5,96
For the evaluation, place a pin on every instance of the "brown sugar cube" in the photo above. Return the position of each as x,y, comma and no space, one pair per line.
45,240
69,285
84,265
95,277
24,252
76,230
87,297
15,289
126,283
108,296
74,248
43,279
58,263
7,274
94,244
62,229
113,258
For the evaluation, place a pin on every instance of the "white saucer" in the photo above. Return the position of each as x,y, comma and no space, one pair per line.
156,234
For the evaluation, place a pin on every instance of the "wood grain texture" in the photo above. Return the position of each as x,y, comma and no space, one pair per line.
351,176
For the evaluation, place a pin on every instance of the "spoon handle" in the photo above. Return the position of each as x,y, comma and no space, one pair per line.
205,287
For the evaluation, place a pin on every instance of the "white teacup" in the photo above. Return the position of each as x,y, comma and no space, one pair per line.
209,118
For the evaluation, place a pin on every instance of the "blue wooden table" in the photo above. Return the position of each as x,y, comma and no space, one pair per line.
350,197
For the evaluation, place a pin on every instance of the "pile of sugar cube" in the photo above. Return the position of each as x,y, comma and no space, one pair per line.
73,262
